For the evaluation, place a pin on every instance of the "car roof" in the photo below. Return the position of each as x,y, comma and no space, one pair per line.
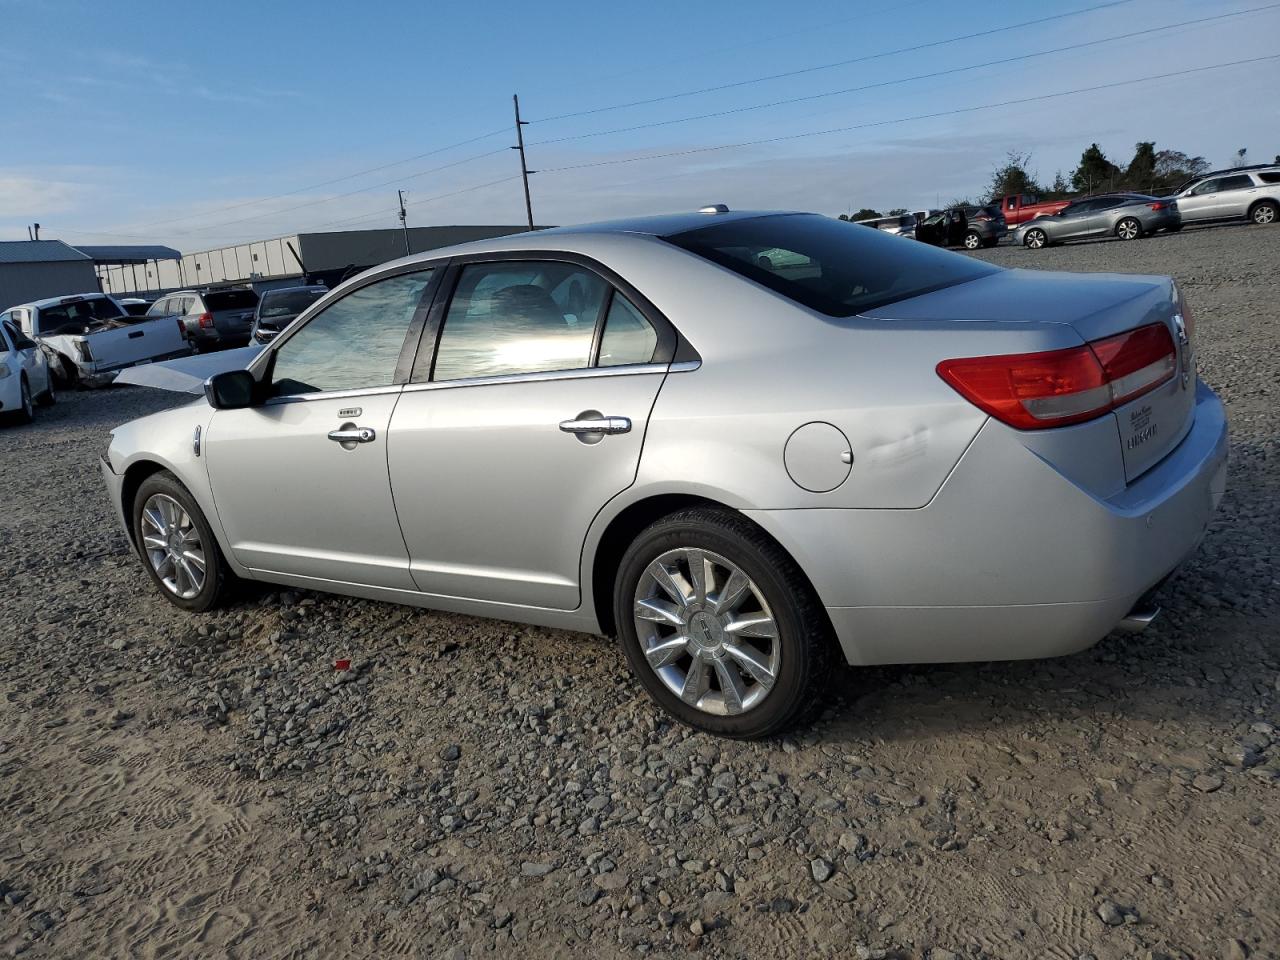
57,301
309,287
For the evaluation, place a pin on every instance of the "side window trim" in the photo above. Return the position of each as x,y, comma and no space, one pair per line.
671,345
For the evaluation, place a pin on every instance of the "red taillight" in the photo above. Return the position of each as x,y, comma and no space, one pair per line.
206,320
1156,206
1032,391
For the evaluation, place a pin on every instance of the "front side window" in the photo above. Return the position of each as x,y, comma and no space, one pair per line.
513,318
354,343
832,266
1209,186
19,340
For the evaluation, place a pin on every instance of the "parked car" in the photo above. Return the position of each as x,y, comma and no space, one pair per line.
212,318
1125,216
279,307
969,227
90,338
134,306
896,224
744,443
1242,194
25,380
1021,207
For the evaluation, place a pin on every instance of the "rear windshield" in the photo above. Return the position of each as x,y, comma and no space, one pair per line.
80,313
231,300
832,266
288,303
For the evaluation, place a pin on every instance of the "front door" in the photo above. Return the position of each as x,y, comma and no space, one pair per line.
300,481
531,422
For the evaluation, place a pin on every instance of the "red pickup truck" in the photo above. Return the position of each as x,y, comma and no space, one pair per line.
1021,207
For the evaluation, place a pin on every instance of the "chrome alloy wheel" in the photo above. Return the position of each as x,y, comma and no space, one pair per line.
1264,213
706,631
972,241
1035,239
173,546
1128,229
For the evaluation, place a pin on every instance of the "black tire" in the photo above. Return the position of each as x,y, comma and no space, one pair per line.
1035,239
49,397
1129,228
26,408
1264,213
804,635
218,576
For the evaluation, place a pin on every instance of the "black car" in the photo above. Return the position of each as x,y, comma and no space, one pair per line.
277,309
970,227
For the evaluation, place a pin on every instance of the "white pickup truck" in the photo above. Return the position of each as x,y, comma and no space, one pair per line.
90,337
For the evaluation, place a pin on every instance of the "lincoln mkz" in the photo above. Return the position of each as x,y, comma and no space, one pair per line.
743,443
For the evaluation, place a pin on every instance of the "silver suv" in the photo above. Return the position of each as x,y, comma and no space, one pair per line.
1251,193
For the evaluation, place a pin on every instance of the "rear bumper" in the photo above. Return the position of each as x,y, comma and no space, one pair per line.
1010,560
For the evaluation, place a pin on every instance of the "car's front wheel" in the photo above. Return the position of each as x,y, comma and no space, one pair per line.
177,544
1035,239
1128,229
720,626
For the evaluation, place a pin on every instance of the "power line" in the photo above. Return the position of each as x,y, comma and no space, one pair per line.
919,116
838,63
888,83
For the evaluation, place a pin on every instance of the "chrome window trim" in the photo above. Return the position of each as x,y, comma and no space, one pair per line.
333,395
579,373
685,366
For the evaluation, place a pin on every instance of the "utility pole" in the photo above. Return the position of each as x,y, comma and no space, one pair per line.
404,222
524,167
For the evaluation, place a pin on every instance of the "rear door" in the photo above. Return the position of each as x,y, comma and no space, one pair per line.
530,419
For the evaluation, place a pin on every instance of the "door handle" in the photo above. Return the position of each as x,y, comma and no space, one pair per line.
597,425
353,435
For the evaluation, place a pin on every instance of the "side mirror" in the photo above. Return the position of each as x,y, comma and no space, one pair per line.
230,390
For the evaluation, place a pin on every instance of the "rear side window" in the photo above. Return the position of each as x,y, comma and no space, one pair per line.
231,300
1269,176
628,337
828,265
1240,181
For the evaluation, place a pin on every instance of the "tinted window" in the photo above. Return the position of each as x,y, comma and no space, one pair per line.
354,343
77,315
287,303
832,266
231,300
628,337
1238,182
16,337
1269,176
509,318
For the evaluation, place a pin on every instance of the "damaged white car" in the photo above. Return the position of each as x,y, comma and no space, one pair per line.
90,337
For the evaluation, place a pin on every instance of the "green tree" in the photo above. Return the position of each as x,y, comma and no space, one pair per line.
897,212
1060,186
1095,171
866,213
1013,176
1174,168
1242,157
1141,173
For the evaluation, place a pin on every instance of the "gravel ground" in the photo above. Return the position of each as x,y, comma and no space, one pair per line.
177,785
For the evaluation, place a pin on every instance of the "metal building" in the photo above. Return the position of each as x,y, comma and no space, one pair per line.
36,269
326,257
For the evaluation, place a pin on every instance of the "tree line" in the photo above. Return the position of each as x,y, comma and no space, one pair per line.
1149,171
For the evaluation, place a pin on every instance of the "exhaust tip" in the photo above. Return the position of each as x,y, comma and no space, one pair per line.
1139,618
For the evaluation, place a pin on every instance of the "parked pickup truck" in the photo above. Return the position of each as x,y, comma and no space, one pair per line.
90,337
1021,207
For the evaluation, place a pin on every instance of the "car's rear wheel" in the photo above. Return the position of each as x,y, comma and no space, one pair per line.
1129,229
1035,239
177,544
1264,213
720,626
972,241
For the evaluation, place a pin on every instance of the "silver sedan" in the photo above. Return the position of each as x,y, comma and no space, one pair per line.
1124,216
748,445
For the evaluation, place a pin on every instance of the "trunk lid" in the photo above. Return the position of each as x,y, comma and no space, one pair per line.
1095,306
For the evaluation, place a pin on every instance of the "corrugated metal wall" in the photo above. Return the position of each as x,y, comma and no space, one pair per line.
24,282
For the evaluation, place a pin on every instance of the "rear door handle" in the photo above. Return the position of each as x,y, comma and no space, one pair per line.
353,435
597,425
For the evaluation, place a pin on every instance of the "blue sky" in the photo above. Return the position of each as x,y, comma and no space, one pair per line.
198,124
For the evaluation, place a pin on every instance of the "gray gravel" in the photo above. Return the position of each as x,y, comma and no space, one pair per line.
473,788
